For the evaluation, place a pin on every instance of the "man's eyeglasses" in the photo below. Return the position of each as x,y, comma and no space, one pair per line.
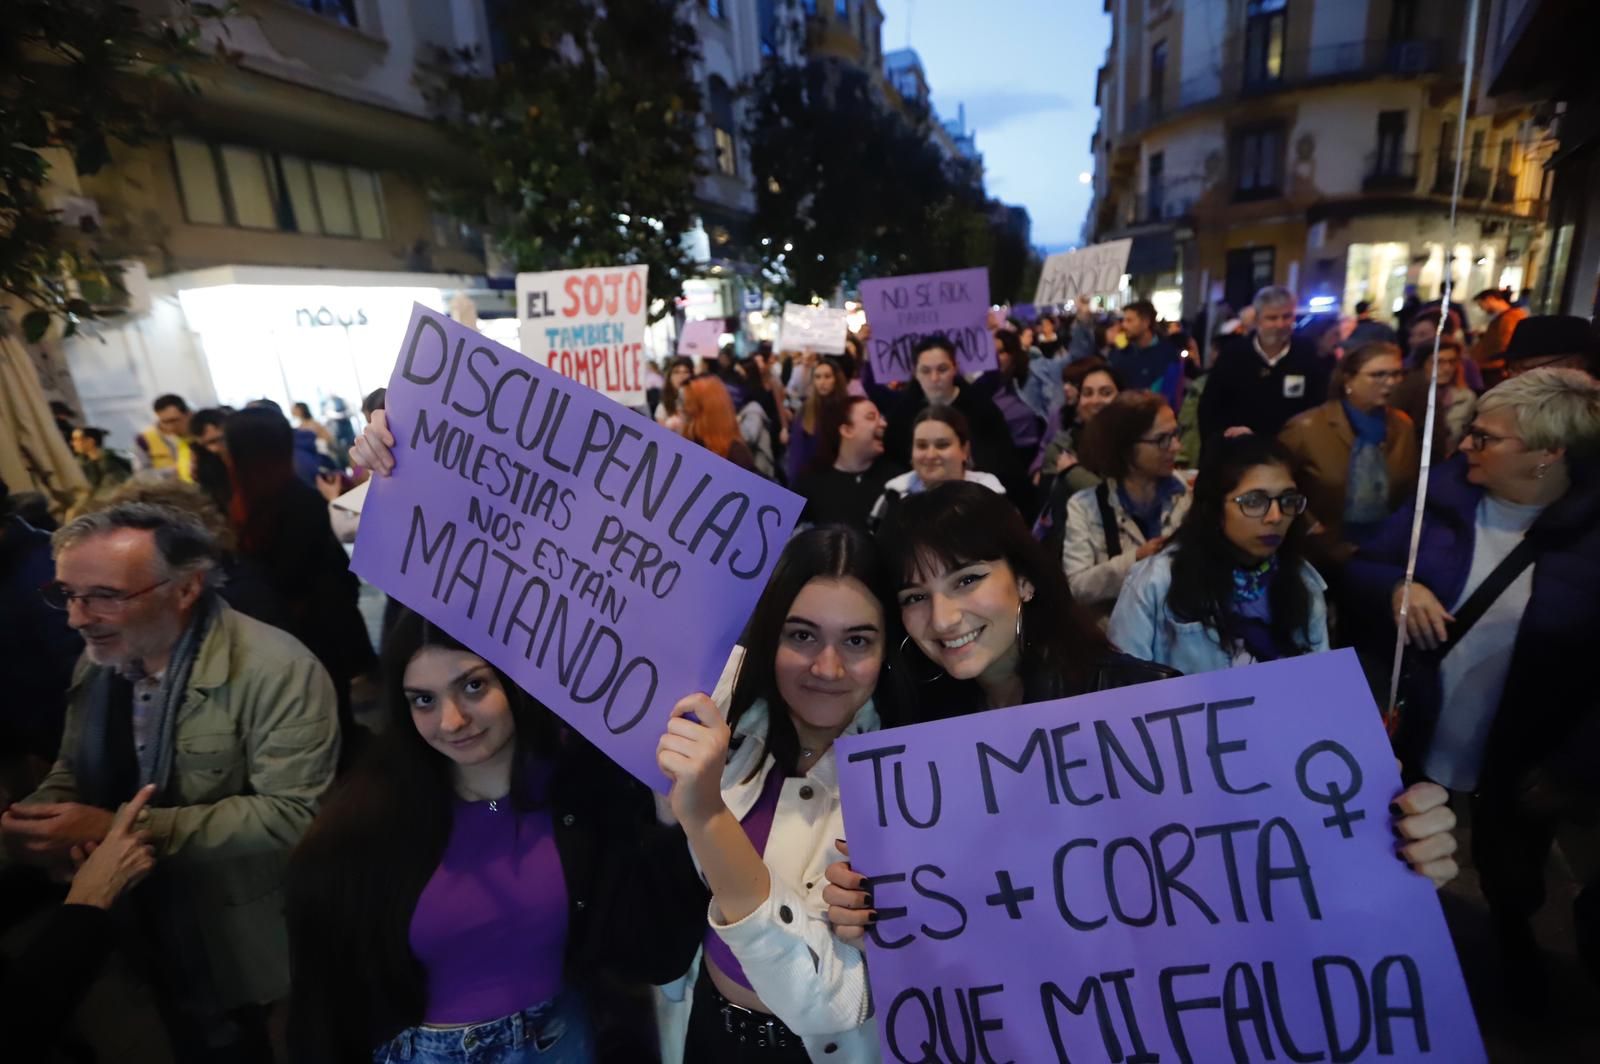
1257,503
1481,439
1162,441
58,596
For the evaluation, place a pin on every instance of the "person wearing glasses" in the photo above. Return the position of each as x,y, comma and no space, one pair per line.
1455,402
1233,587
235,724
1355,457
1133,443
1498,697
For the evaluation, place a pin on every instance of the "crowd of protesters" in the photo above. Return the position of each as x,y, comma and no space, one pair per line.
193,812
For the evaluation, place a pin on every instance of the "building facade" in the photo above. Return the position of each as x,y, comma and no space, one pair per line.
1311,143
275,242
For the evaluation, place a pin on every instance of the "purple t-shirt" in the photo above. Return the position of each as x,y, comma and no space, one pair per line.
757,825
491,925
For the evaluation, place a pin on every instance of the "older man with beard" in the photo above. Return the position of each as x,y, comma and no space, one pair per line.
232,721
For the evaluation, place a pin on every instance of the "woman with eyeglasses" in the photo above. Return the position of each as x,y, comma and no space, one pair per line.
1128,516
1355,456
1234,587
1498,694
991,624
1455,403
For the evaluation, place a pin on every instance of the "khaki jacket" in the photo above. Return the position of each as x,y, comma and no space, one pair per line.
257,739
1321,441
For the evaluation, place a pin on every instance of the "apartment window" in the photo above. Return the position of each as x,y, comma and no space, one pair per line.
197,182
1476,158
1158,76
715,8
841,10
1391,143
1258,163
721,109
341,11
230,184
1403,20
1263,41
1249,270
1155,179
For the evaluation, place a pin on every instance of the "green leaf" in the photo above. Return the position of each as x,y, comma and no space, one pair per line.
34,325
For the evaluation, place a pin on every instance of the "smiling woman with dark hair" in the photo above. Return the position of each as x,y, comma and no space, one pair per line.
1234,586
466,884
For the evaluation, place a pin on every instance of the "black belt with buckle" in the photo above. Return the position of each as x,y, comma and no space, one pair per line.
758,1030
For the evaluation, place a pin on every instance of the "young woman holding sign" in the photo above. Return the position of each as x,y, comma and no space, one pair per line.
995,626
464,886
1234,587
757,795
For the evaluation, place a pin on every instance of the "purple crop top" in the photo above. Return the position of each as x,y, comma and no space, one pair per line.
757,825
491,925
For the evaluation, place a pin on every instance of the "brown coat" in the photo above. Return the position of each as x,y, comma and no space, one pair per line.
1321,441
1490,347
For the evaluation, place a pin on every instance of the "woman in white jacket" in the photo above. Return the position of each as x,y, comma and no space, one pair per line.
1234,587
757,795
1126,518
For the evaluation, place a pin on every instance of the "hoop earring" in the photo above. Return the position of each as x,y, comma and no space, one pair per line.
912,672
1021,645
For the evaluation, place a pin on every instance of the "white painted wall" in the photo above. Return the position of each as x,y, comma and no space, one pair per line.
1344,127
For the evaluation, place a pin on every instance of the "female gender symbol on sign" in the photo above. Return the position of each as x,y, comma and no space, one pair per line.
1341,818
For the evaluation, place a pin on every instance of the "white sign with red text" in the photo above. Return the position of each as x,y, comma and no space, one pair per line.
588,325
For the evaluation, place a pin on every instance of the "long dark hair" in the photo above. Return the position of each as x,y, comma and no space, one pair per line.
354,879
831,420
1203,560
828,552
959,523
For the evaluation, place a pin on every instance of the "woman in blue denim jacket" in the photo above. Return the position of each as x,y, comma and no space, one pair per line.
1234,587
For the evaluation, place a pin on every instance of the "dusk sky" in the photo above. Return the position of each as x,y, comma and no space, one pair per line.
1025,70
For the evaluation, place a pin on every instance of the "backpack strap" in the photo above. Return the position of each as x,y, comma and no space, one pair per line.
1494,585
1108,519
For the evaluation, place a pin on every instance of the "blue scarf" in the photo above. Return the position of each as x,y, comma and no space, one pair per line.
1366,494
1148,515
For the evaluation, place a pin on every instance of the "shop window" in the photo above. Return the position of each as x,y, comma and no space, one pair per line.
1258,163
722,135
197,182
341,11
1264,32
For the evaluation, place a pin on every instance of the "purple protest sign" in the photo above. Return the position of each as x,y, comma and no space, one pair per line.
903,310
605,564
1197,869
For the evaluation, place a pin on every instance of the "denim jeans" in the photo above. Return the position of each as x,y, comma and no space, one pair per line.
556,1032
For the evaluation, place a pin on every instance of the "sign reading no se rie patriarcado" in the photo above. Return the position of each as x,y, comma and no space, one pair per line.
1091,271
605,564
1200,869
902,311
587,325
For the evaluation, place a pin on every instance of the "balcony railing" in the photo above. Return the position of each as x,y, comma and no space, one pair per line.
1389,171
1475,180
1171,199
1299,67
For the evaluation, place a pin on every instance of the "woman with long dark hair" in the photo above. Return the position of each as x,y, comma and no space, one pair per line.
669,413
283,529
826,393
994,626
1234,586
762,820
466,885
